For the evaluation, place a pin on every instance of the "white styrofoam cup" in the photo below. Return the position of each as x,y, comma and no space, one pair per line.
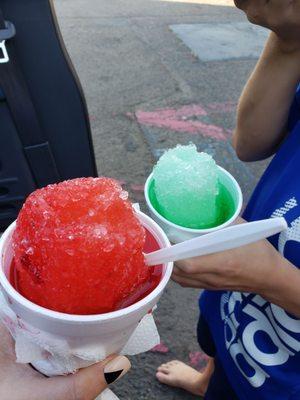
109,331
177,233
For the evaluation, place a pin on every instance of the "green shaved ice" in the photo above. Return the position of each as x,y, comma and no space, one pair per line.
186,187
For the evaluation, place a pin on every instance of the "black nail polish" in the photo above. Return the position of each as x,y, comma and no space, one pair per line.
111,377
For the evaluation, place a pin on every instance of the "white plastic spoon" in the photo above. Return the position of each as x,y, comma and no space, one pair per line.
225,239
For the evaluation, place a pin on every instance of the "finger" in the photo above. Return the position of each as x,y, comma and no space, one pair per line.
198,264
182,274
89,382
93,380
189,266
204,281
189,282
206,264
211,281
205,276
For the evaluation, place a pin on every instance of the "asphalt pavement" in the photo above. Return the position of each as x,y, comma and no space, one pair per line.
156,73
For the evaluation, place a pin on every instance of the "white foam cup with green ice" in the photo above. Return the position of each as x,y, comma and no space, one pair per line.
201,197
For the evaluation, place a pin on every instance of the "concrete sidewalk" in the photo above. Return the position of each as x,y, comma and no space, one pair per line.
147,90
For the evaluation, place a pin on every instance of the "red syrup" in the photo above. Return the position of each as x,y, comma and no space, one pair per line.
151,244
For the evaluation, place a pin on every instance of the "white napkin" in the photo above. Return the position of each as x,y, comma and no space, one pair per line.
53,355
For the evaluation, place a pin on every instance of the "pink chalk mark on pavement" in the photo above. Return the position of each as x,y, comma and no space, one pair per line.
182,120
198,360
160,348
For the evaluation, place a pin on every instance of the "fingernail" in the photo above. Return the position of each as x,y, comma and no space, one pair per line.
116,368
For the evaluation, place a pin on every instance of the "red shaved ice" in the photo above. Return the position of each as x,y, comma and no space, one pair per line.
78,248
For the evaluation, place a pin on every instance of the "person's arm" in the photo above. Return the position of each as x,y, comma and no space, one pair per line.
257,268
265,102
283,286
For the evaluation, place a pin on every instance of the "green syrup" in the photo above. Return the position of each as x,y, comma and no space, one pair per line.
225,206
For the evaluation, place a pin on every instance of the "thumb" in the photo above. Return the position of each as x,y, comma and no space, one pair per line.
89,382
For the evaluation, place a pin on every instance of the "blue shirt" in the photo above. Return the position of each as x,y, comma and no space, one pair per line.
258,343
